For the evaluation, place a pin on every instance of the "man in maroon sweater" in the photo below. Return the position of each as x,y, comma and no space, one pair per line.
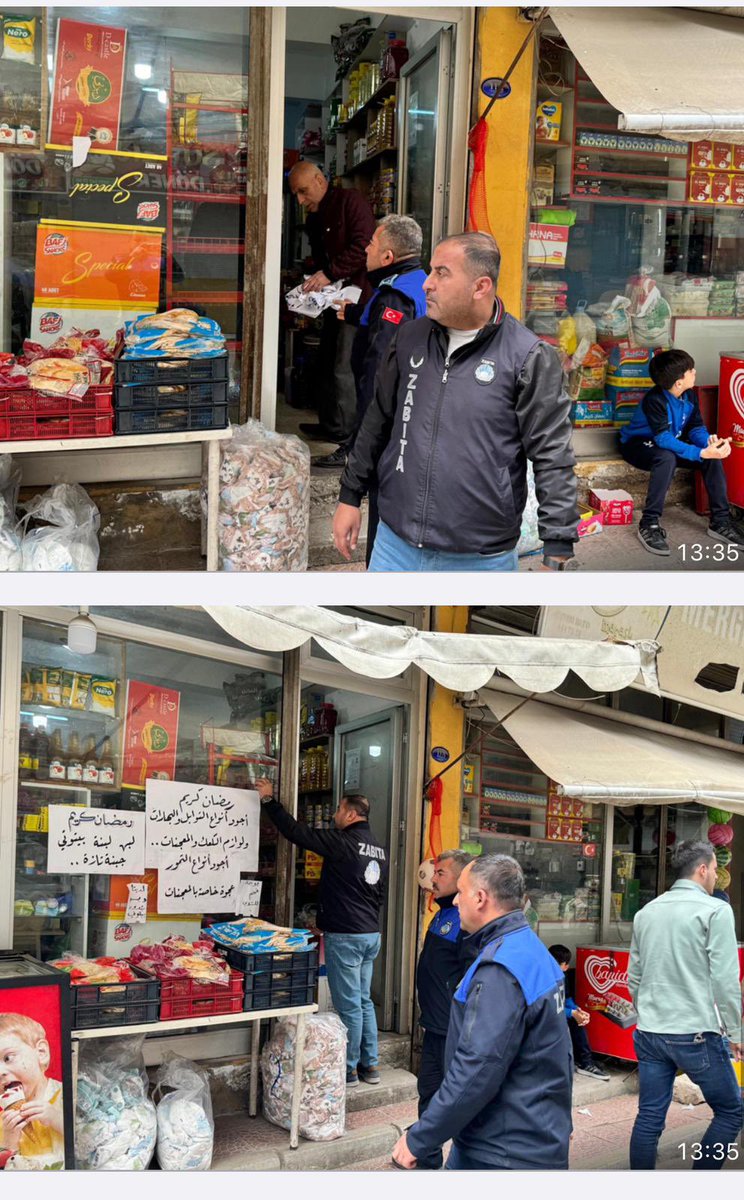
339,225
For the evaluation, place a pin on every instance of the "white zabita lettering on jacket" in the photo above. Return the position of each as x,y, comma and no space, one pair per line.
407,411
371,851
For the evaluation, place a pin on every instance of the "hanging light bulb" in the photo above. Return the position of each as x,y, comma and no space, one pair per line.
82,635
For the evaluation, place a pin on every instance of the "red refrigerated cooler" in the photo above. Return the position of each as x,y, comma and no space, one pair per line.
602,990
731,420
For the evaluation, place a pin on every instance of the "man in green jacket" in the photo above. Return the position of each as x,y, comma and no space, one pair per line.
683,975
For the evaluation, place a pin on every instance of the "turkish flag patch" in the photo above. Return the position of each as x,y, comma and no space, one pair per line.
392,316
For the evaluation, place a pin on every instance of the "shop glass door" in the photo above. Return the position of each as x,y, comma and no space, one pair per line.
423,138
369,759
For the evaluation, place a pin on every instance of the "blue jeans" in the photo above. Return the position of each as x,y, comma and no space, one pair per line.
702,1056
349,960
391,553
461,1160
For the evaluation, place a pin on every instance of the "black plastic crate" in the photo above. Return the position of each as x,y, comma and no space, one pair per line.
278,979
280,996
174,419
169,395
96,1005
170,370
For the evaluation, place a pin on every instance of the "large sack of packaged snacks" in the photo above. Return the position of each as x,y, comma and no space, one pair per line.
68,539
529,538
264,511
184,1112
323,1102
115,1122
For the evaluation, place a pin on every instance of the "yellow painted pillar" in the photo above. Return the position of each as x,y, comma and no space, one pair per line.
510,142
447,729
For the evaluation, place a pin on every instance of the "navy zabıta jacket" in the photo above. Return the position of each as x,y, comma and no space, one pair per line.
506,1094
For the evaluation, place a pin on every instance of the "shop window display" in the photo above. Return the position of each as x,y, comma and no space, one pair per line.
93,729
509,807
149,211
636,243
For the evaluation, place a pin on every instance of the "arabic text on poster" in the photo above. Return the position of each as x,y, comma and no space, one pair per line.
201,819
95,841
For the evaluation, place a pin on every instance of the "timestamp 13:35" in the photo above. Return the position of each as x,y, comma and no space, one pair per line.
714,1152
696,552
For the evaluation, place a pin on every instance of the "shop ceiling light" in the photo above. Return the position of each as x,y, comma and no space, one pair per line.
82,634
143,71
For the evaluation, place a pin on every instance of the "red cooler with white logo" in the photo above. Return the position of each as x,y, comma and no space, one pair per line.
602,991
731,420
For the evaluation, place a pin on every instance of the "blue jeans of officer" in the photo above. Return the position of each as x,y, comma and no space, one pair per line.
392,553
349,962
702,1056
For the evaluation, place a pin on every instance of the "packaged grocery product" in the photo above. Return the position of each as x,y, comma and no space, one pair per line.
738,157
585,327
80,691
615,505
264,509
103,695
701,187
722,156
179,332
59,377
548,121
19,39
323,1100
53,686
175,958
702,154
567,337
115,1121
184,1116
721,187
586,380
7,134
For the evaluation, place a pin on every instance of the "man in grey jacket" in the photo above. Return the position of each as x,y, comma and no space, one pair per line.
683,975
464,398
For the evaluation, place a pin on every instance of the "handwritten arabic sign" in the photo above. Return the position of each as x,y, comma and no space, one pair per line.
248,897
136,912
95,841
200,838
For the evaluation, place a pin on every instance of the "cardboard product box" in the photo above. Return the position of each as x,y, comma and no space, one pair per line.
591,412
722,156
541,194
701,187
615,505
628,366
738,163
721,187
702,155
737,189
548,121
589,522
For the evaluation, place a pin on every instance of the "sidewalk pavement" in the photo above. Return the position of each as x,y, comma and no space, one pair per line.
602,1136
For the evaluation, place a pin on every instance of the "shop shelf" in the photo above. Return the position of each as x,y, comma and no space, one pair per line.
25,415
168,371
172,419
278,978
181,998
94,1006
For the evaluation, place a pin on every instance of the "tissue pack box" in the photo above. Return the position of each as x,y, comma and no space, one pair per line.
615,505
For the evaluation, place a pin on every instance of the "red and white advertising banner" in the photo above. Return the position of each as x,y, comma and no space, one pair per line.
88,83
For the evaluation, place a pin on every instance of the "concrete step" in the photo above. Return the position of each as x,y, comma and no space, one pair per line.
616,473
623,1081
242,1144
394,1050
395,1087
323,499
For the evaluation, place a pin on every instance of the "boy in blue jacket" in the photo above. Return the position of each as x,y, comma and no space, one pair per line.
666,432
583,1061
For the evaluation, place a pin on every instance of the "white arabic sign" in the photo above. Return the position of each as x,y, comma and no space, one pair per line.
691,638
136,913
200,838
248,897
95,841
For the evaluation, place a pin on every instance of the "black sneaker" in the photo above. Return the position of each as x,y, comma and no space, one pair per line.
336,461
653,537
726,531
352,1079
368,1074
593,1072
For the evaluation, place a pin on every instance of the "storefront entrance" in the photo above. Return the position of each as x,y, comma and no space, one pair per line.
368,99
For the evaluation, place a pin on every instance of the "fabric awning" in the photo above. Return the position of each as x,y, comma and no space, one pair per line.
462,662
671,71
601,760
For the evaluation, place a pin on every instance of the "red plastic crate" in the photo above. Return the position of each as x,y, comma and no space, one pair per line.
189,998
25,415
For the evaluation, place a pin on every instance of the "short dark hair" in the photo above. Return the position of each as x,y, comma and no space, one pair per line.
481,253
561,954
669,366
501,876
357,803
688,856
459,858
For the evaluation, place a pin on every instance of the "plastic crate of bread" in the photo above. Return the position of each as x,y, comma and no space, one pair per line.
280,964
107,992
